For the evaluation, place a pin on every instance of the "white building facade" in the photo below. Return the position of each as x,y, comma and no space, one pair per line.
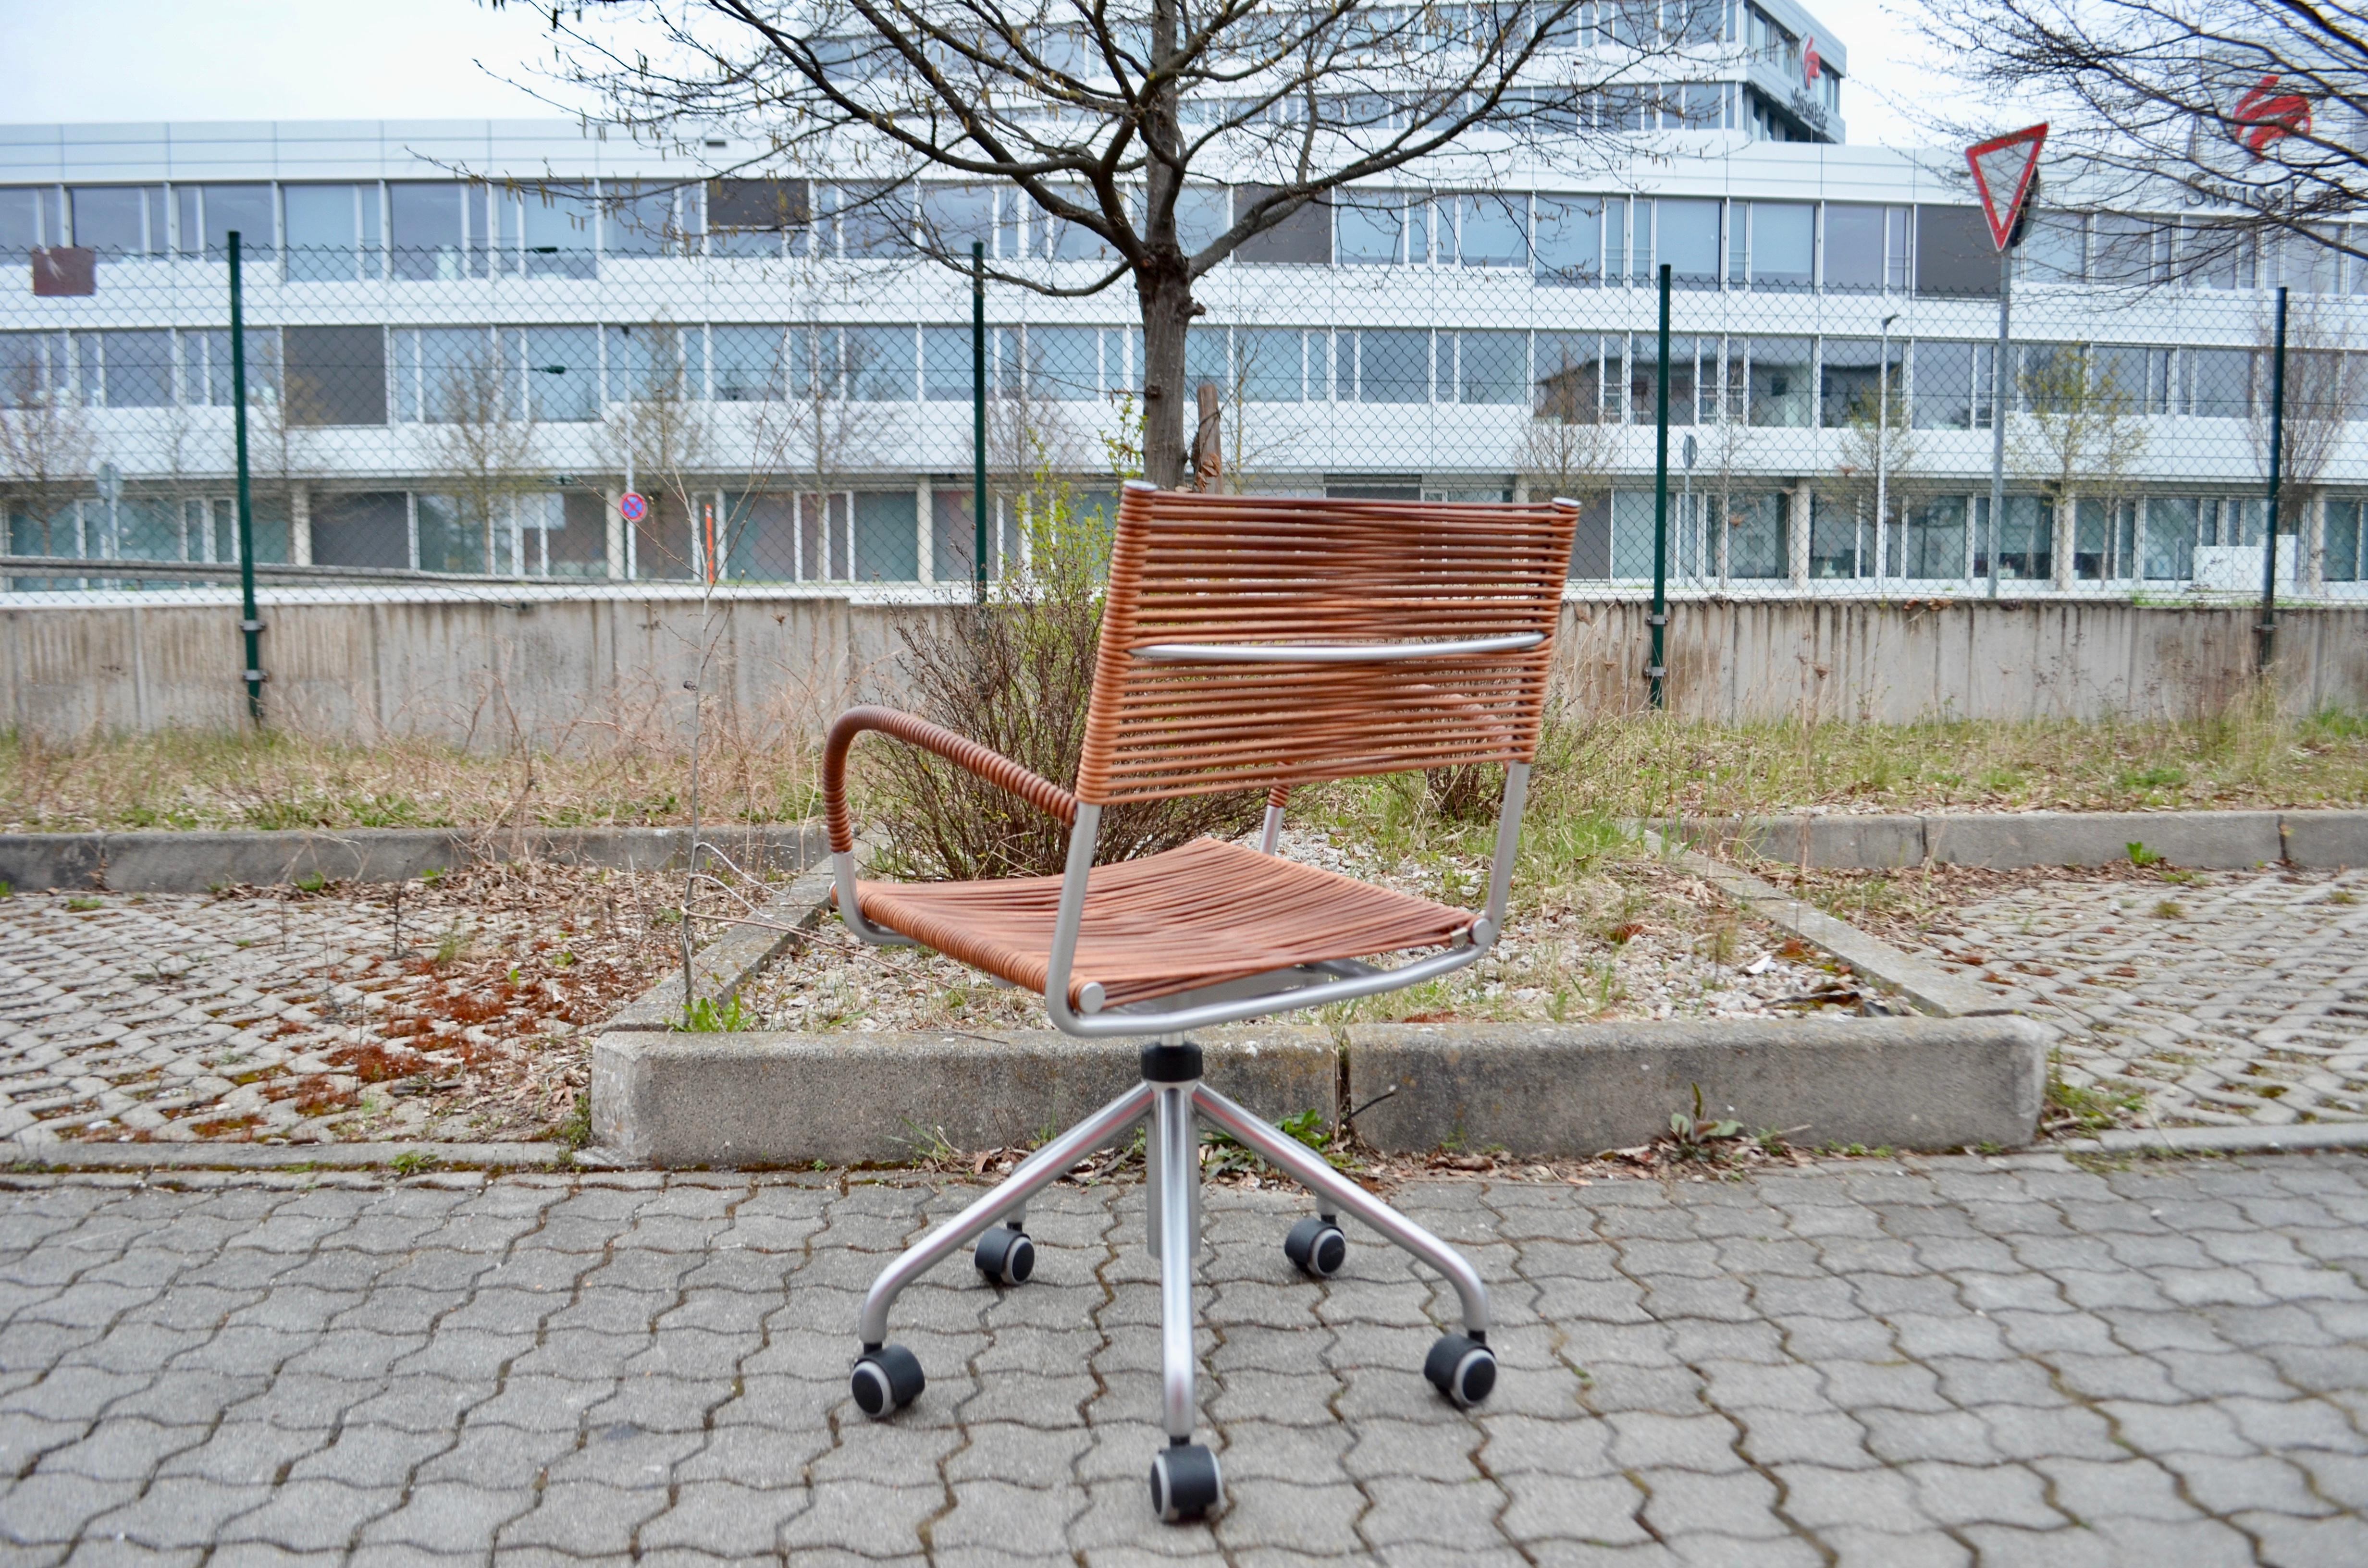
466,341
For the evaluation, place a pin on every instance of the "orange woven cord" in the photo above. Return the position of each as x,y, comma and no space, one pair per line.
993,767
1195,916
1242,569
1278,797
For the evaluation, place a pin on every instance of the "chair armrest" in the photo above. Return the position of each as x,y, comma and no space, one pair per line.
993,767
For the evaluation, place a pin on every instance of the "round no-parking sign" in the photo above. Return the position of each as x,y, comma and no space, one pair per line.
633,508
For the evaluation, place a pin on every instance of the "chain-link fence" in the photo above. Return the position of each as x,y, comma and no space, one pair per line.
598,400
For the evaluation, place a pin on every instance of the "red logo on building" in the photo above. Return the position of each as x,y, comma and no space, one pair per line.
1809,61
2265,115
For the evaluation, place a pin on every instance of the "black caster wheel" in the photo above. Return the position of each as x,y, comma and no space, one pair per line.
1317,1246
1185,1484
1464,1370
886,1381
1005,1256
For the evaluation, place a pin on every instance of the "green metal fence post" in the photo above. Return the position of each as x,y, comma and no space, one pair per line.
1657,668
248,623
2268,648
978,417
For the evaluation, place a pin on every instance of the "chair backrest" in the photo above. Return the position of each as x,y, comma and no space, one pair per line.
1350,596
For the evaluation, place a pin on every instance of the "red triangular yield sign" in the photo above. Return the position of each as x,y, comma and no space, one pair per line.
2002,169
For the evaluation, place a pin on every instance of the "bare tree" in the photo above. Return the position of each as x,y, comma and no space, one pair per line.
1569,447
45,460
1124,122
485,446
658,432
2323,384
2079,433
1877,472
2253,108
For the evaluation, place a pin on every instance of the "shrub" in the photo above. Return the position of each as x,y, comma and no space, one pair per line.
1016,673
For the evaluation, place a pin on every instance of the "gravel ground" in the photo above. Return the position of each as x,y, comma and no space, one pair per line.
278,1016
1633,940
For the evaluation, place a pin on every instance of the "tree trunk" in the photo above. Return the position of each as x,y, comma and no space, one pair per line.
1166,297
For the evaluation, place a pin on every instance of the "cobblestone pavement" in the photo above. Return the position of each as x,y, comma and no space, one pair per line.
2224,998
2009,1362
285,1018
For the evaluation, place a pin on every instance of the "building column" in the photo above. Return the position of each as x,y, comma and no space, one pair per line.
616,551
299,524
925,519
2310,572
1797,544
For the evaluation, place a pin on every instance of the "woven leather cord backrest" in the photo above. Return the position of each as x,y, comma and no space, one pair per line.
1190,568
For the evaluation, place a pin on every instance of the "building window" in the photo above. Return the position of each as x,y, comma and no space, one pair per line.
209,213
468,376
563,373
1492,231
1954,256
951,217
428,231
333,375
1305,237
880,366
1685,240
1571,248
119,222
2222,381
1855,377
1492,367
1576,378
1383,229
1271,364
2346,540
750,363
1776,244
1949,386
1383,366
365,528
635,221
1866,248
29,220
332,231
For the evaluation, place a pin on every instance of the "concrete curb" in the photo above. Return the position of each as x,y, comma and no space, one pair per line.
197,862
1933,990
724,966
2223,1140
2015,840
1546,1089
766,1098
1574,1091
281,1156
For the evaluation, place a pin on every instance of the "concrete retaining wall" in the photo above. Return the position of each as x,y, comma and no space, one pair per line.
196,862
790,1099
557,666
2012,840
1543,1089
1551,1089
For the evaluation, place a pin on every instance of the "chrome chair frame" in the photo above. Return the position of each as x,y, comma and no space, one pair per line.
1172,1098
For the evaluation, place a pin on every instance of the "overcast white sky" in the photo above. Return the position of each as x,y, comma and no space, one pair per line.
146,60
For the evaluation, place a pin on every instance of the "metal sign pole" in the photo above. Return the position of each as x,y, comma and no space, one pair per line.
249,625
2006,174
1999,379
1656,670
